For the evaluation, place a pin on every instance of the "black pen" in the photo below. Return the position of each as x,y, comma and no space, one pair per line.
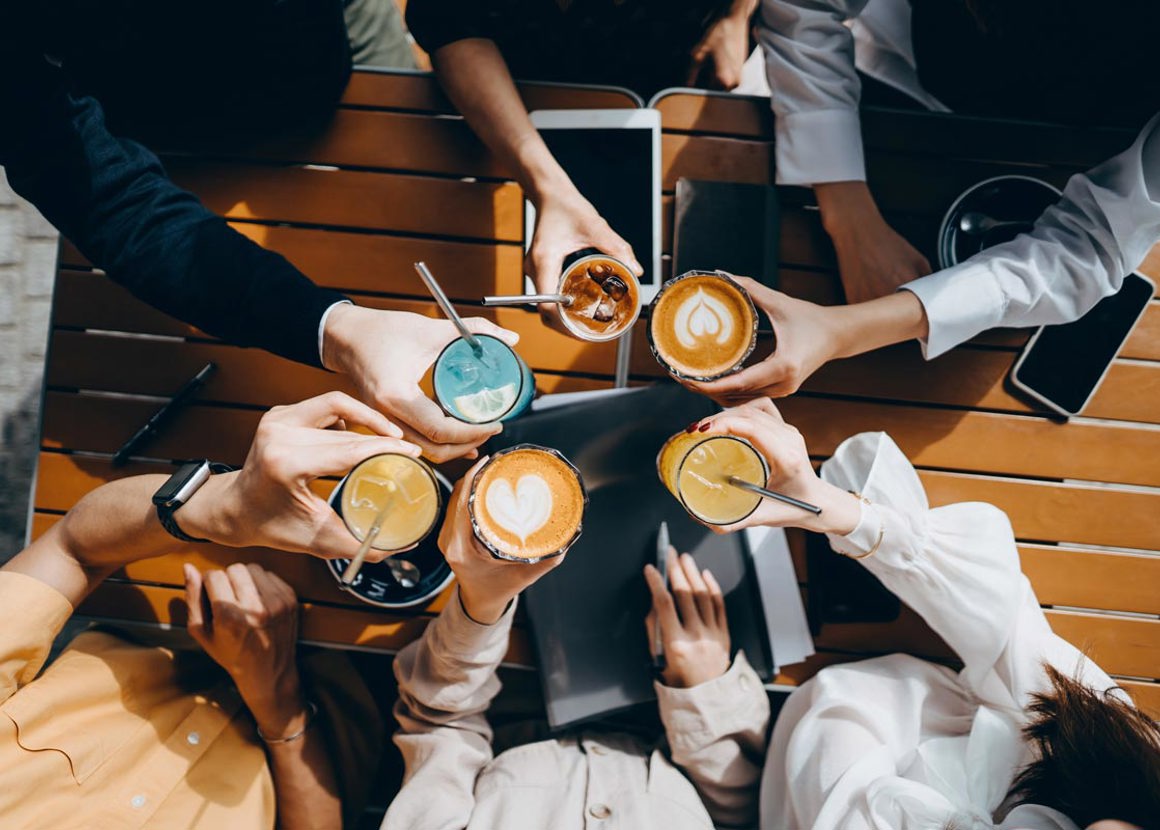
167,411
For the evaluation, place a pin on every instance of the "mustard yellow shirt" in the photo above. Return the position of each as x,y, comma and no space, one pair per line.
116,735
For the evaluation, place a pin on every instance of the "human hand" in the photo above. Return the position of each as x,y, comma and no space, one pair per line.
566,224
486,584
693,628
269,501
725,46
790,472
386,354
873,259
246,619
807,337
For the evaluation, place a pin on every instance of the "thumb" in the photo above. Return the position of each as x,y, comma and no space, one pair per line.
481,325
193,602
615,245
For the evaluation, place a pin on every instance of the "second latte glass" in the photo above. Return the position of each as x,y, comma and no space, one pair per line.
702,325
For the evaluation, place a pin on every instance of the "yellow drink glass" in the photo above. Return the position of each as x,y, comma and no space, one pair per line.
409,489
696,467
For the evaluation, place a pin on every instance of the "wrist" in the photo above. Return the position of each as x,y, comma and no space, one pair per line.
843,206
841,510
540,175
338,337
742,9
211,512
482,608
278,707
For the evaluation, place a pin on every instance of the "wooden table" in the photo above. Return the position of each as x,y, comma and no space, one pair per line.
395,179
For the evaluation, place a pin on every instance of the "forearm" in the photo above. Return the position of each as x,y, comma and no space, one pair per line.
446,680
476,79
864,327
814,89
305,786
112,526
717,733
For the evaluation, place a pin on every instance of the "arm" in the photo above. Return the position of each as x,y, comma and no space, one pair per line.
1077,253
476,79
246,619
725,47
267,503
112,199
814,89
716,715
447,678
809,336
958,567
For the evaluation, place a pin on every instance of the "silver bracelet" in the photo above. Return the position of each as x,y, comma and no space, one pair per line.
311,713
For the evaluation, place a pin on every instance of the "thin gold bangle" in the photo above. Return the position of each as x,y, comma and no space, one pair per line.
311,713
881,532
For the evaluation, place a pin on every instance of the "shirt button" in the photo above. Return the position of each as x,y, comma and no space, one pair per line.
599,811
193,738
137,802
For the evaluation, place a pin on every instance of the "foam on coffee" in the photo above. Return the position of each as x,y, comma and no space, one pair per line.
702,325
527,503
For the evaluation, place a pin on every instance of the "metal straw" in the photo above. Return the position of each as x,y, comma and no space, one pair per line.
773,494
351,572
448,309
528,299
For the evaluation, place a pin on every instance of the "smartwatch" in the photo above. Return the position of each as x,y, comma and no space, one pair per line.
179,489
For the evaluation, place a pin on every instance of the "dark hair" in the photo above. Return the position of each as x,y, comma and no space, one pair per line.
1097,756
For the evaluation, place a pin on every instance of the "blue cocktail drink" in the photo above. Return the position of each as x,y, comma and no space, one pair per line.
493,384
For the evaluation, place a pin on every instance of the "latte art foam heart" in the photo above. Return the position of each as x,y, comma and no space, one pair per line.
521,511
702,317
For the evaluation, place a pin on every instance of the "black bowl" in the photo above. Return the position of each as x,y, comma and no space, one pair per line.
374,583
1018,199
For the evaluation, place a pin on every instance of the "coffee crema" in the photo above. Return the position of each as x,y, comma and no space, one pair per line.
527,504
605,298
702,325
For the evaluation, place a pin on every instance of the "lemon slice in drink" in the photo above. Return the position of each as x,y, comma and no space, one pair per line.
488,405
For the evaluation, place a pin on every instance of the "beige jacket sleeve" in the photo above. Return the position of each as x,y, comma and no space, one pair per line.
718,732
447,679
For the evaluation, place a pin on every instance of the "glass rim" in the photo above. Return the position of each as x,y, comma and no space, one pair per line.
492,548
573,328
431,475
685,457
439,398
740,363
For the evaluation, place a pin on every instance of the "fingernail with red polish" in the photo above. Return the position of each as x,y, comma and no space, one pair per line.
704,427
692,427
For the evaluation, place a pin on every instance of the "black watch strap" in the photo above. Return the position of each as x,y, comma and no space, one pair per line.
166,513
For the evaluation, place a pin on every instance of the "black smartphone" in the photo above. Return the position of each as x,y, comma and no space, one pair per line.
1062,366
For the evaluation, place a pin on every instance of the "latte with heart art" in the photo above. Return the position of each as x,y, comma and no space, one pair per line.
527,503
703,325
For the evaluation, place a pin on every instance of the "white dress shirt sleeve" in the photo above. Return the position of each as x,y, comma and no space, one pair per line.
1078,252
958,567
814,89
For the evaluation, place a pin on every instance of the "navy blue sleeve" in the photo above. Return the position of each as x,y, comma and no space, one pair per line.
112,199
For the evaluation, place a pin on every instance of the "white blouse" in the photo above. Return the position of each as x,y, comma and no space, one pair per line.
898,743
